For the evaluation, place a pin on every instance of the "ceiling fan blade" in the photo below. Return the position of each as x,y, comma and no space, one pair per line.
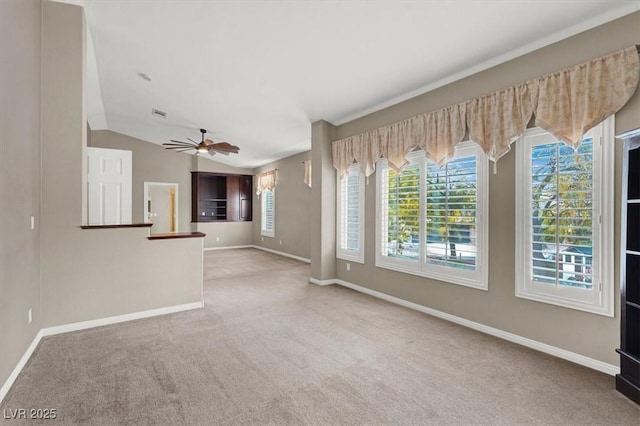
173,140
178,147
209,142
193,141
211,152
225,146
177,144
181,142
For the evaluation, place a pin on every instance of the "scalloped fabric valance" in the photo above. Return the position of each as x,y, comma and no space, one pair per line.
266,181
566,103
307,172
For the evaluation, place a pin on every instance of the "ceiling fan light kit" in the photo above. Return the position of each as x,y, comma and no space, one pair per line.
206,145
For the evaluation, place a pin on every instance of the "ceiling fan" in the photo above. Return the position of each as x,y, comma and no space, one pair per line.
206,145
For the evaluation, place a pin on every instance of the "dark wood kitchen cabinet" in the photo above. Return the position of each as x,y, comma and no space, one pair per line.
628,381
219,197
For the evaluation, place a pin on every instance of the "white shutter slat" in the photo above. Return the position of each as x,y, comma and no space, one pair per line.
561,219
451,219
401,201
349,238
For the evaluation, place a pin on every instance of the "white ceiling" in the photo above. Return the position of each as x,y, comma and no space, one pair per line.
258,73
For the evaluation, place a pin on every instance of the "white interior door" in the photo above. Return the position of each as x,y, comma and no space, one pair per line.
109,186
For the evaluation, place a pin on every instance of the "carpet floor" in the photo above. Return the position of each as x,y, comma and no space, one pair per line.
269,348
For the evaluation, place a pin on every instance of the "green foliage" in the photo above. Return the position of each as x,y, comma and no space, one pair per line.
404,206
562,213
450,204
561,196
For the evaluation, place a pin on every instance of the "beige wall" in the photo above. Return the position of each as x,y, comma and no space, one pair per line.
204,163
153,163
226,234
19,179
591,335
107,272
92,274
292,208
323,203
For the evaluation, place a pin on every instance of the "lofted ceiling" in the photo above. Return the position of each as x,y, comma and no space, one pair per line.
258,73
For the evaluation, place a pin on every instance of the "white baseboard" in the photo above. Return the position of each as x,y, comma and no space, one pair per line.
321,282
533,344
23,361
292,256
227,247
50,331
281,253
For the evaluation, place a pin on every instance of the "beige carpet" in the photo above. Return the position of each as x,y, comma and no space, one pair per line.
269,348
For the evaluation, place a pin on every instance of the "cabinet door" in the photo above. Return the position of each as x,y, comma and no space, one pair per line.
208,197
195,197
233,198
220,197
246,189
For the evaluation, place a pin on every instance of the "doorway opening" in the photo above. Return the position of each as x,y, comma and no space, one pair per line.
161,206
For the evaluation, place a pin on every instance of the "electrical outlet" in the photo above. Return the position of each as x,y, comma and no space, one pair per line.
261,238
33,223
348,266
217,238
280,242
29,315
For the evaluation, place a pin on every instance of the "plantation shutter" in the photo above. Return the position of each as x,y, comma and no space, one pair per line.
350,211
561,201
401,212
268,211
451,213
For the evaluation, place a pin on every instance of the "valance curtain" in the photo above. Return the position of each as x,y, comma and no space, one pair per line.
497,120
307,173
266,181
566,103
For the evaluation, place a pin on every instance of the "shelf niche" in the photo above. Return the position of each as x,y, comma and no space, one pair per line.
219,197
628,381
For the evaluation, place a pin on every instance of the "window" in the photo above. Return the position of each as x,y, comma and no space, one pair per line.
564,220
451,194
432,221
267,228
350,216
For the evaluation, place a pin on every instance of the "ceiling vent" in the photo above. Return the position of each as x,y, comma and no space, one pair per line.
158,113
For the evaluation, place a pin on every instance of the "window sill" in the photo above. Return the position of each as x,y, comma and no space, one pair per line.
351,258
446,278
267,234
565,303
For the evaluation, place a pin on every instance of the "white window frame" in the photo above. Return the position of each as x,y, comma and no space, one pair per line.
342,253
479,278
599,300
263,214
